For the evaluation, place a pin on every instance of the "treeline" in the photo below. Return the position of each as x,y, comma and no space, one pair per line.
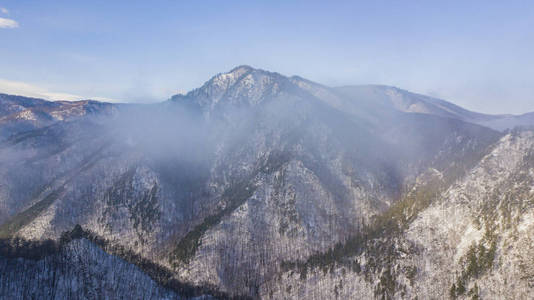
21,248
35,250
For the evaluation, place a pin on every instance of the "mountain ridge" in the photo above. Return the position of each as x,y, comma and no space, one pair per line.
259,185
234,85
396,98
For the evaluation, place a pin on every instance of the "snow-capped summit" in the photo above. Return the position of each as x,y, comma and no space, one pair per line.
245,86
304,191
242,86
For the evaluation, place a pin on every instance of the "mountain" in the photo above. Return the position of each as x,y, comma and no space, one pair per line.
472,240
258,185
405,101
19,114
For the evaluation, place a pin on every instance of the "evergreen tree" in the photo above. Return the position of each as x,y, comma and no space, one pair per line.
452,291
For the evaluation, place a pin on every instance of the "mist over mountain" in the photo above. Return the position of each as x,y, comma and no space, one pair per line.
262,186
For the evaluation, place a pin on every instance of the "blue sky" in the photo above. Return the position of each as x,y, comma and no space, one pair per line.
478,54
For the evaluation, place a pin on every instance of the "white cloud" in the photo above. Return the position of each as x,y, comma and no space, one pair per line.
4,10
8,23
29,90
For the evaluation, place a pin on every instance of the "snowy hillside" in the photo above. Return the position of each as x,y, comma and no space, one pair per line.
257,185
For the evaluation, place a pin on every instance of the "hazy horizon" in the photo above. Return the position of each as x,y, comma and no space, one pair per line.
476,55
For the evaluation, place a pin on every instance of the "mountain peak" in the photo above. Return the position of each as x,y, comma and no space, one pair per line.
242,69
243,85
229,78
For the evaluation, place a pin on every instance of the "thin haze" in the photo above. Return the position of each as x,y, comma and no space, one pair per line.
477,54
